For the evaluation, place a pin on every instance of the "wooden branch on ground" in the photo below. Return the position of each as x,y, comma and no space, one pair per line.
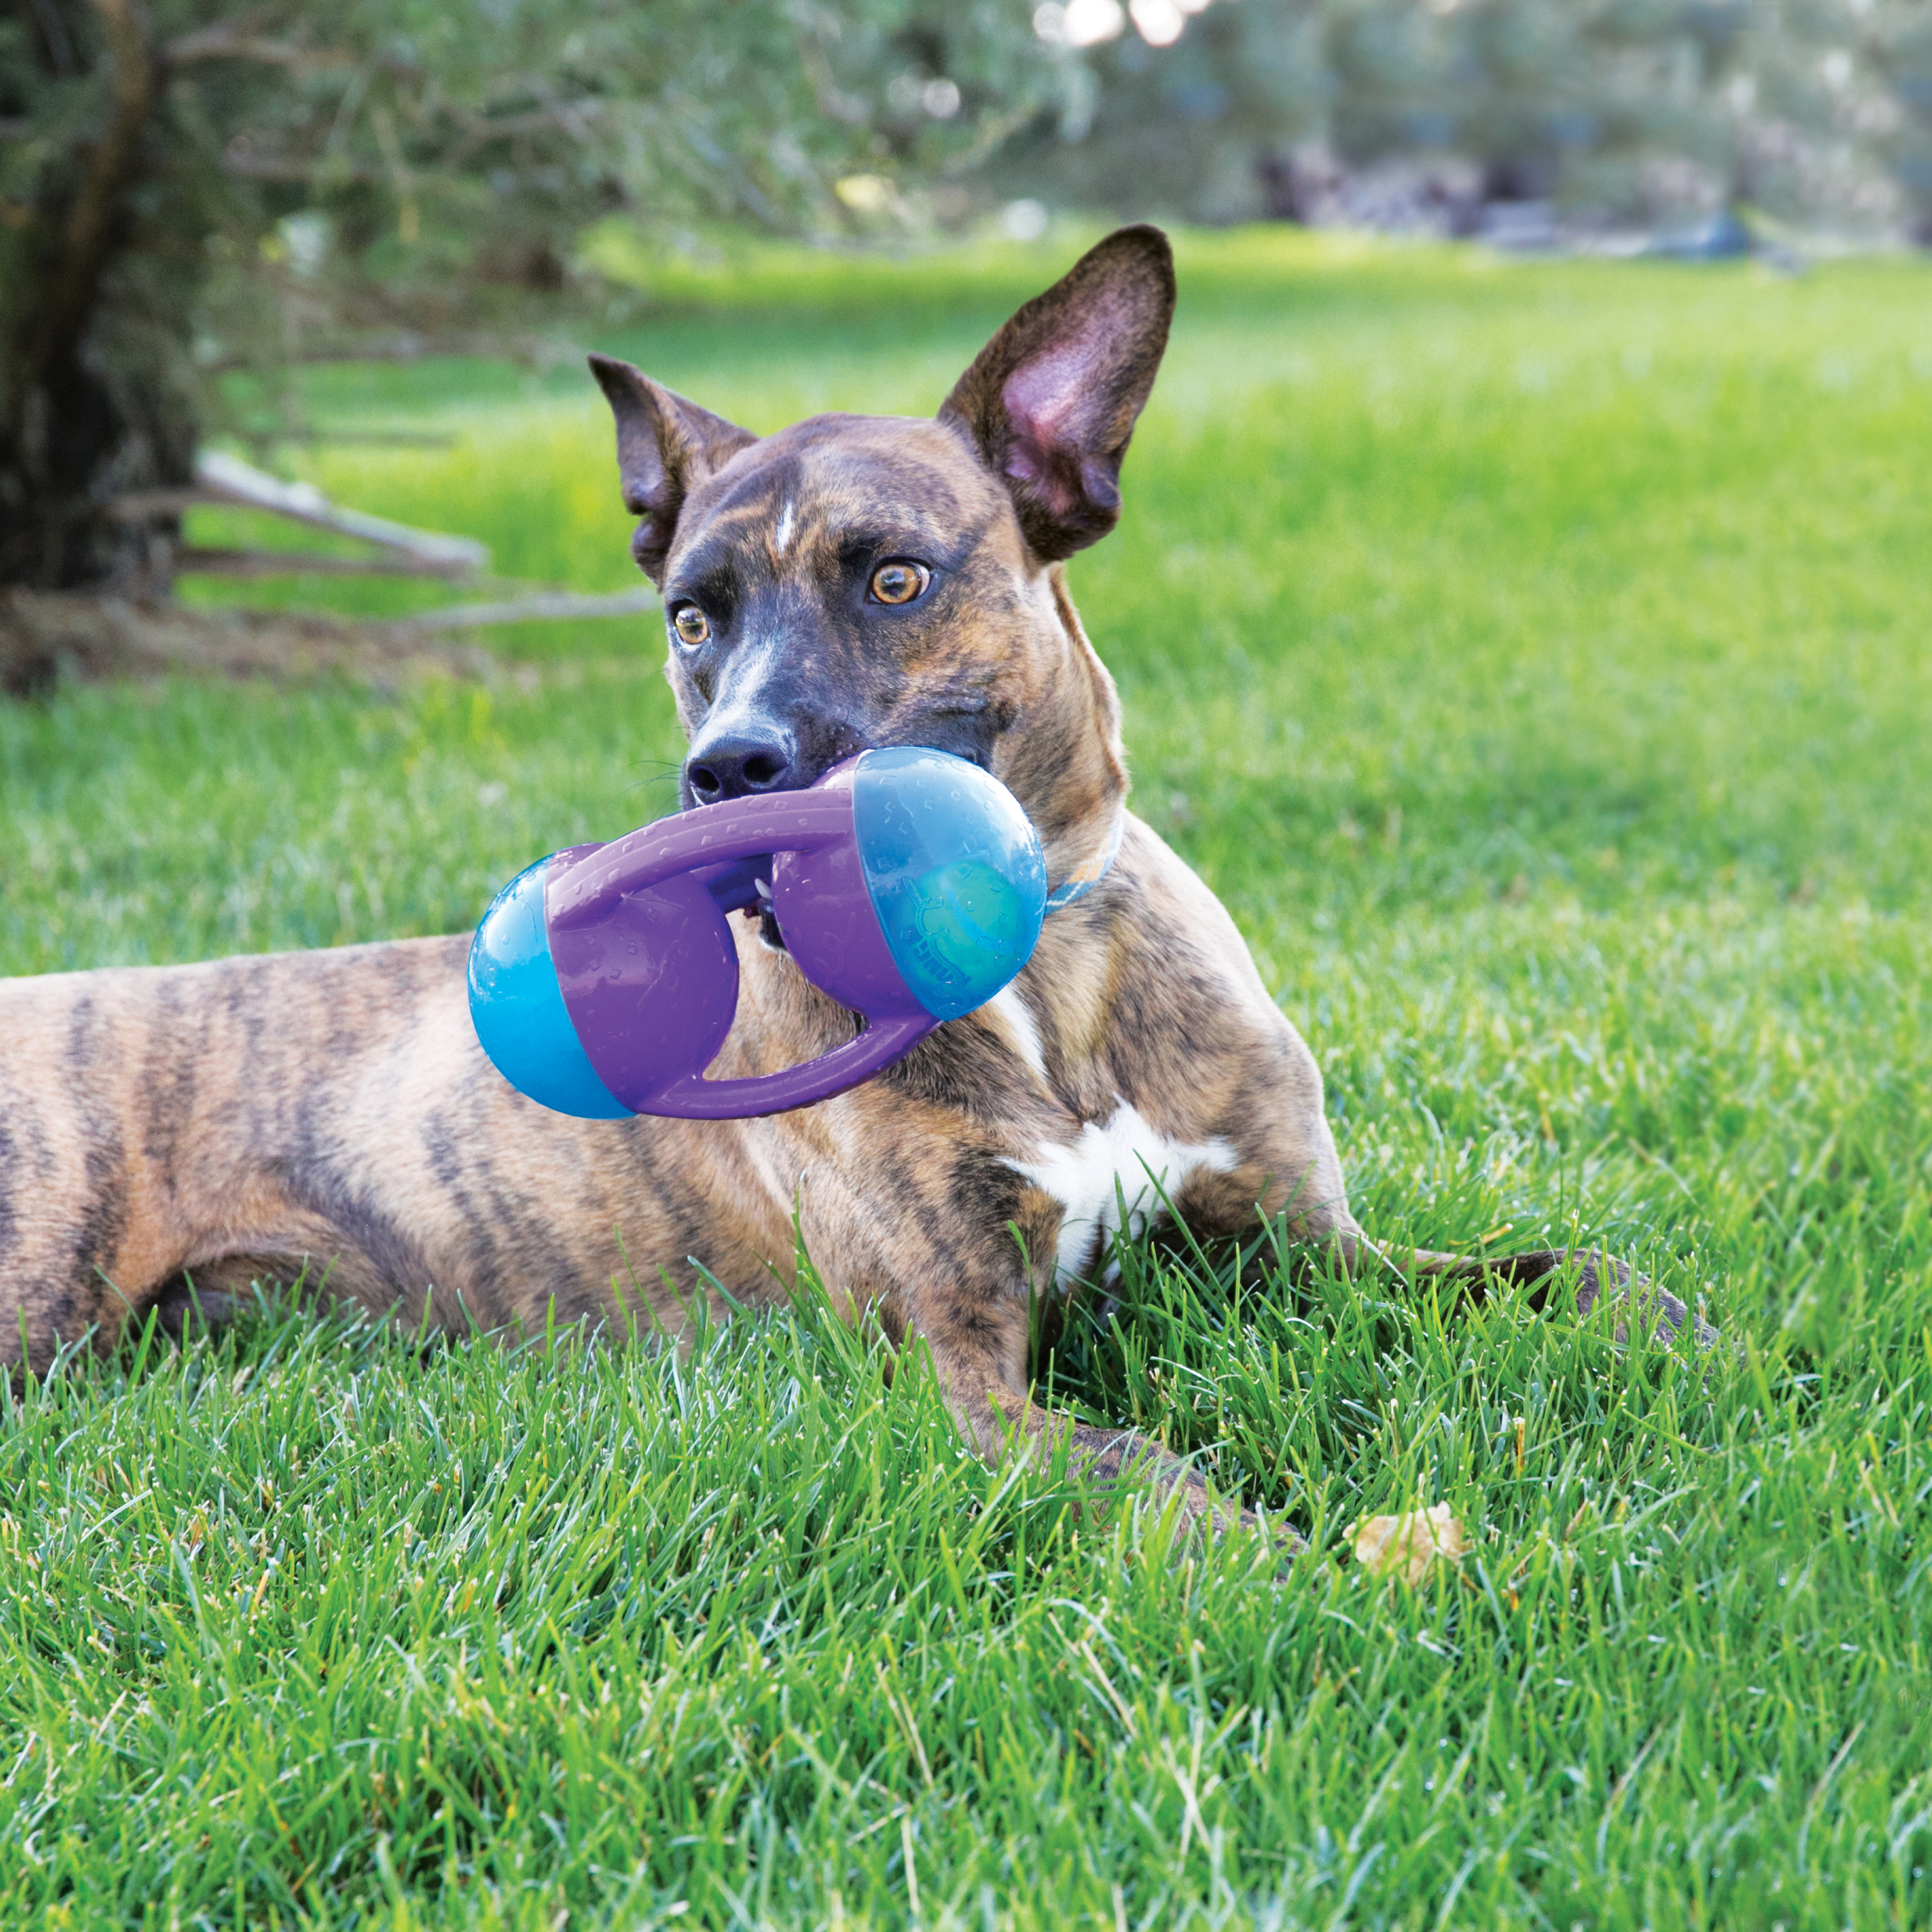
220,478
228,479
213,562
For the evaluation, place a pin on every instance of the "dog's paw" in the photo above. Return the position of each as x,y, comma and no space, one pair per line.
1212,1519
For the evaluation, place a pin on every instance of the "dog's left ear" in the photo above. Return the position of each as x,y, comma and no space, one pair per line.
666,447
1052,399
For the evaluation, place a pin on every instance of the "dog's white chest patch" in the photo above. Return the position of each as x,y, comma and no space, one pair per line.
1122,1162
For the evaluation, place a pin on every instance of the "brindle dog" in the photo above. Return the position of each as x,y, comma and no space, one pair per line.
182,1132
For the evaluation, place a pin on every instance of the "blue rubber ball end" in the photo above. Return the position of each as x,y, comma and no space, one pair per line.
955,872
518,1009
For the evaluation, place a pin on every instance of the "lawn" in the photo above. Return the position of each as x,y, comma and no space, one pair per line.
1534,659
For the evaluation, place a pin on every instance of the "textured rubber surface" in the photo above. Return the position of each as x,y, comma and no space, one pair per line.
517,1007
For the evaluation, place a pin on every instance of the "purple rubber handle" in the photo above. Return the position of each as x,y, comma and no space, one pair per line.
695,1098
585,889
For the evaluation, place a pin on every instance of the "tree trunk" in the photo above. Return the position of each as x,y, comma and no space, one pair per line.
93,404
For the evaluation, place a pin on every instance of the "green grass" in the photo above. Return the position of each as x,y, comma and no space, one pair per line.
1534,658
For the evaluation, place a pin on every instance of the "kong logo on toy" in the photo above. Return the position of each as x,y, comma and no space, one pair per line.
907,884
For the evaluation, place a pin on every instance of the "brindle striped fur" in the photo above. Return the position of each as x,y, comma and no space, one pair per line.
217,1124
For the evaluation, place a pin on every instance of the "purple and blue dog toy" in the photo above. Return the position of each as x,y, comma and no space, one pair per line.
907,883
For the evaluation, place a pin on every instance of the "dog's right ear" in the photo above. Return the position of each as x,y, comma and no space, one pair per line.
1052,399
666,447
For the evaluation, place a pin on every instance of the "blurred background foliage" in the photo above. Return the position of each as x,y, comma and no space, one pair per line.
187,190
1616,112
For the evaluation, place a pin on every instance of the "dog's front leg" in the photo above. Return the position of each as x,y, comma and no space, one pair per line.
940,1269
980,1356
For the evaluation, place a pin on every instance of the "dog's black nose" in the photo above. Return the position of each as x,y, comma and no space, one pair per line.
736,767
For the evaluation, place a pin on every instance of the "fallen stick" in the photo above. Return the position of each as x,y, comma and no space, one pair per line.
220,479
230,480
212,562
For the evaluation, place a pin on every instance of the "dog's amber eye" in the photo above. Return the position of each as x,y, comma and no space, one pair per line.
692,626
899,583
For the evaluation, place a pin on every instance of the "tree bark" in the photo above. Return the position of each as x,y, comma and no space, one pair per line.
89,404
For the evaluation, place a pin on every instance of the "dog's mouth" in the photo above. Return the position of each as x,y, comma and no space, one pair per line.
961,745
761,914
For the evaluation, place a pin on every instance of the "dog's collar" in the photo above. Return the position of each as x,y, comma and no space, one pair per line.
1089,875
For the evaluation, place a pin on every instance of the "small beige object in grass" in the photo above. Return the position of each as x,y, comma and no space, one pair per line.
1385,1545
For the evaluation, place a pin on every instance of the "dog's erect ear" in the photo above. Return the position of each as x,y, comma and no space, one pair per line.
666,447
1052,399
